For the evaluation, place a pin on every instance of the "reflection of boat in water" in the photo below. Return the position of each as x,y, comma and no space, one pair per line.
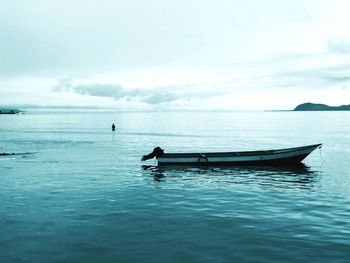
297,176
285,156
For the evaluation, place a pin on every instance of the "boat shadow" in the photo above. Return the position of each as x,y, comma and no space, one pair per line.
298,176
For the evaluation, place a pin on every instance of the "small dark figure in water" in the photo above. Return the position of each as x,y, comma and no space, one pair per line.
113,127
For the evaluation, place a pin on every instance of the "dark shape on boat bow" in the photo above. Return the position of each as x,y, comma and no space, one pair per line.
157,152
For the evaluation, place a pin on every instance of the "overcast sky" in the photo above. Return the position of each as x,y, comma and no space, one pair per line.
198,54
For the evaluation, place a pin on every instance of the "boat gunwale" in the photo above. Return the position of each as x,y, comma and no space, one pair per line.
240,153
273,162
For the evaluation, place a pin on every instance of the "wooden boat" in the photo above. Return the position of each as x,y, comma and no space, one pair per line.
285,156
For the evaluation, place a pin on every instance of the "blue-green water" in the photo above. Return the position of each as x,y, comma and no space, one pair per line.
85,197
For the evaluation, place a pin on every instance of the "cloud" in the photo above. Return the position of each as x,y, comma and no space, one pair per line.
334,74
63,85
158,95
310,71
101,90
114,91
339,46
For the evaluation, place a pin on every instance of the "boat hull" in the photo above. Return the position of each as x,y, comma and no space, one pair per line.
270,157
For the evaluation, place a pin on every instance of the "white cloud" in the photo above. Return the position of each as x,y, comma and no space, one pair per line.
157,95
339,45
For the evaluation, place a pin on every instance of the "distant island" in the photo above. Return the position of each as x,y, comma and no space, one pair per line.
320,107
10,111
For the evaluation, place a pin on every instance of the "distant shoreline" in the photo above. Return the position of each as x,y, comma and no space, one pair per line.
301,107
320,107
314,107
10,111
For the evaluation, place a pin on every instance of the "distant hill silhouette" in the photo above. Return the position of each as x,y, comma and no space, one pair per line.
320,107
10,111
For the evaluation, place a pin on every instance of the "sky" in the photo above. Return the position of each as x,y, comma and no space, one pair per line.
174,54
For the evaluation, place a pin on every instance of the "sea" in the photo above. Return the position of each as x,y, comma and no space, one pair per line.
78,192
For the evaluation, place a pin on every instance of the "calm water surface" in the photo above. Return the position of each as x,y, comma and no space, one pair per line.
84,196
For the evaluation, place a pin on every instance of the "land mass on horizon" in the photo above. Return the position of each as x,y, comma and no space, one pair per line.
320,107
10,111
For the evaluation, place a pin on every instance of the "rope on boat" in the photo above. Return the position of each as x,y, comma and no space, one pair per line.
319,148
202,156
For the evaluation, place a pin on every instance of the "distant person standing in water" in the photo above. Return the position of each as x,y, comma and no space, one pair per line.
113,127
